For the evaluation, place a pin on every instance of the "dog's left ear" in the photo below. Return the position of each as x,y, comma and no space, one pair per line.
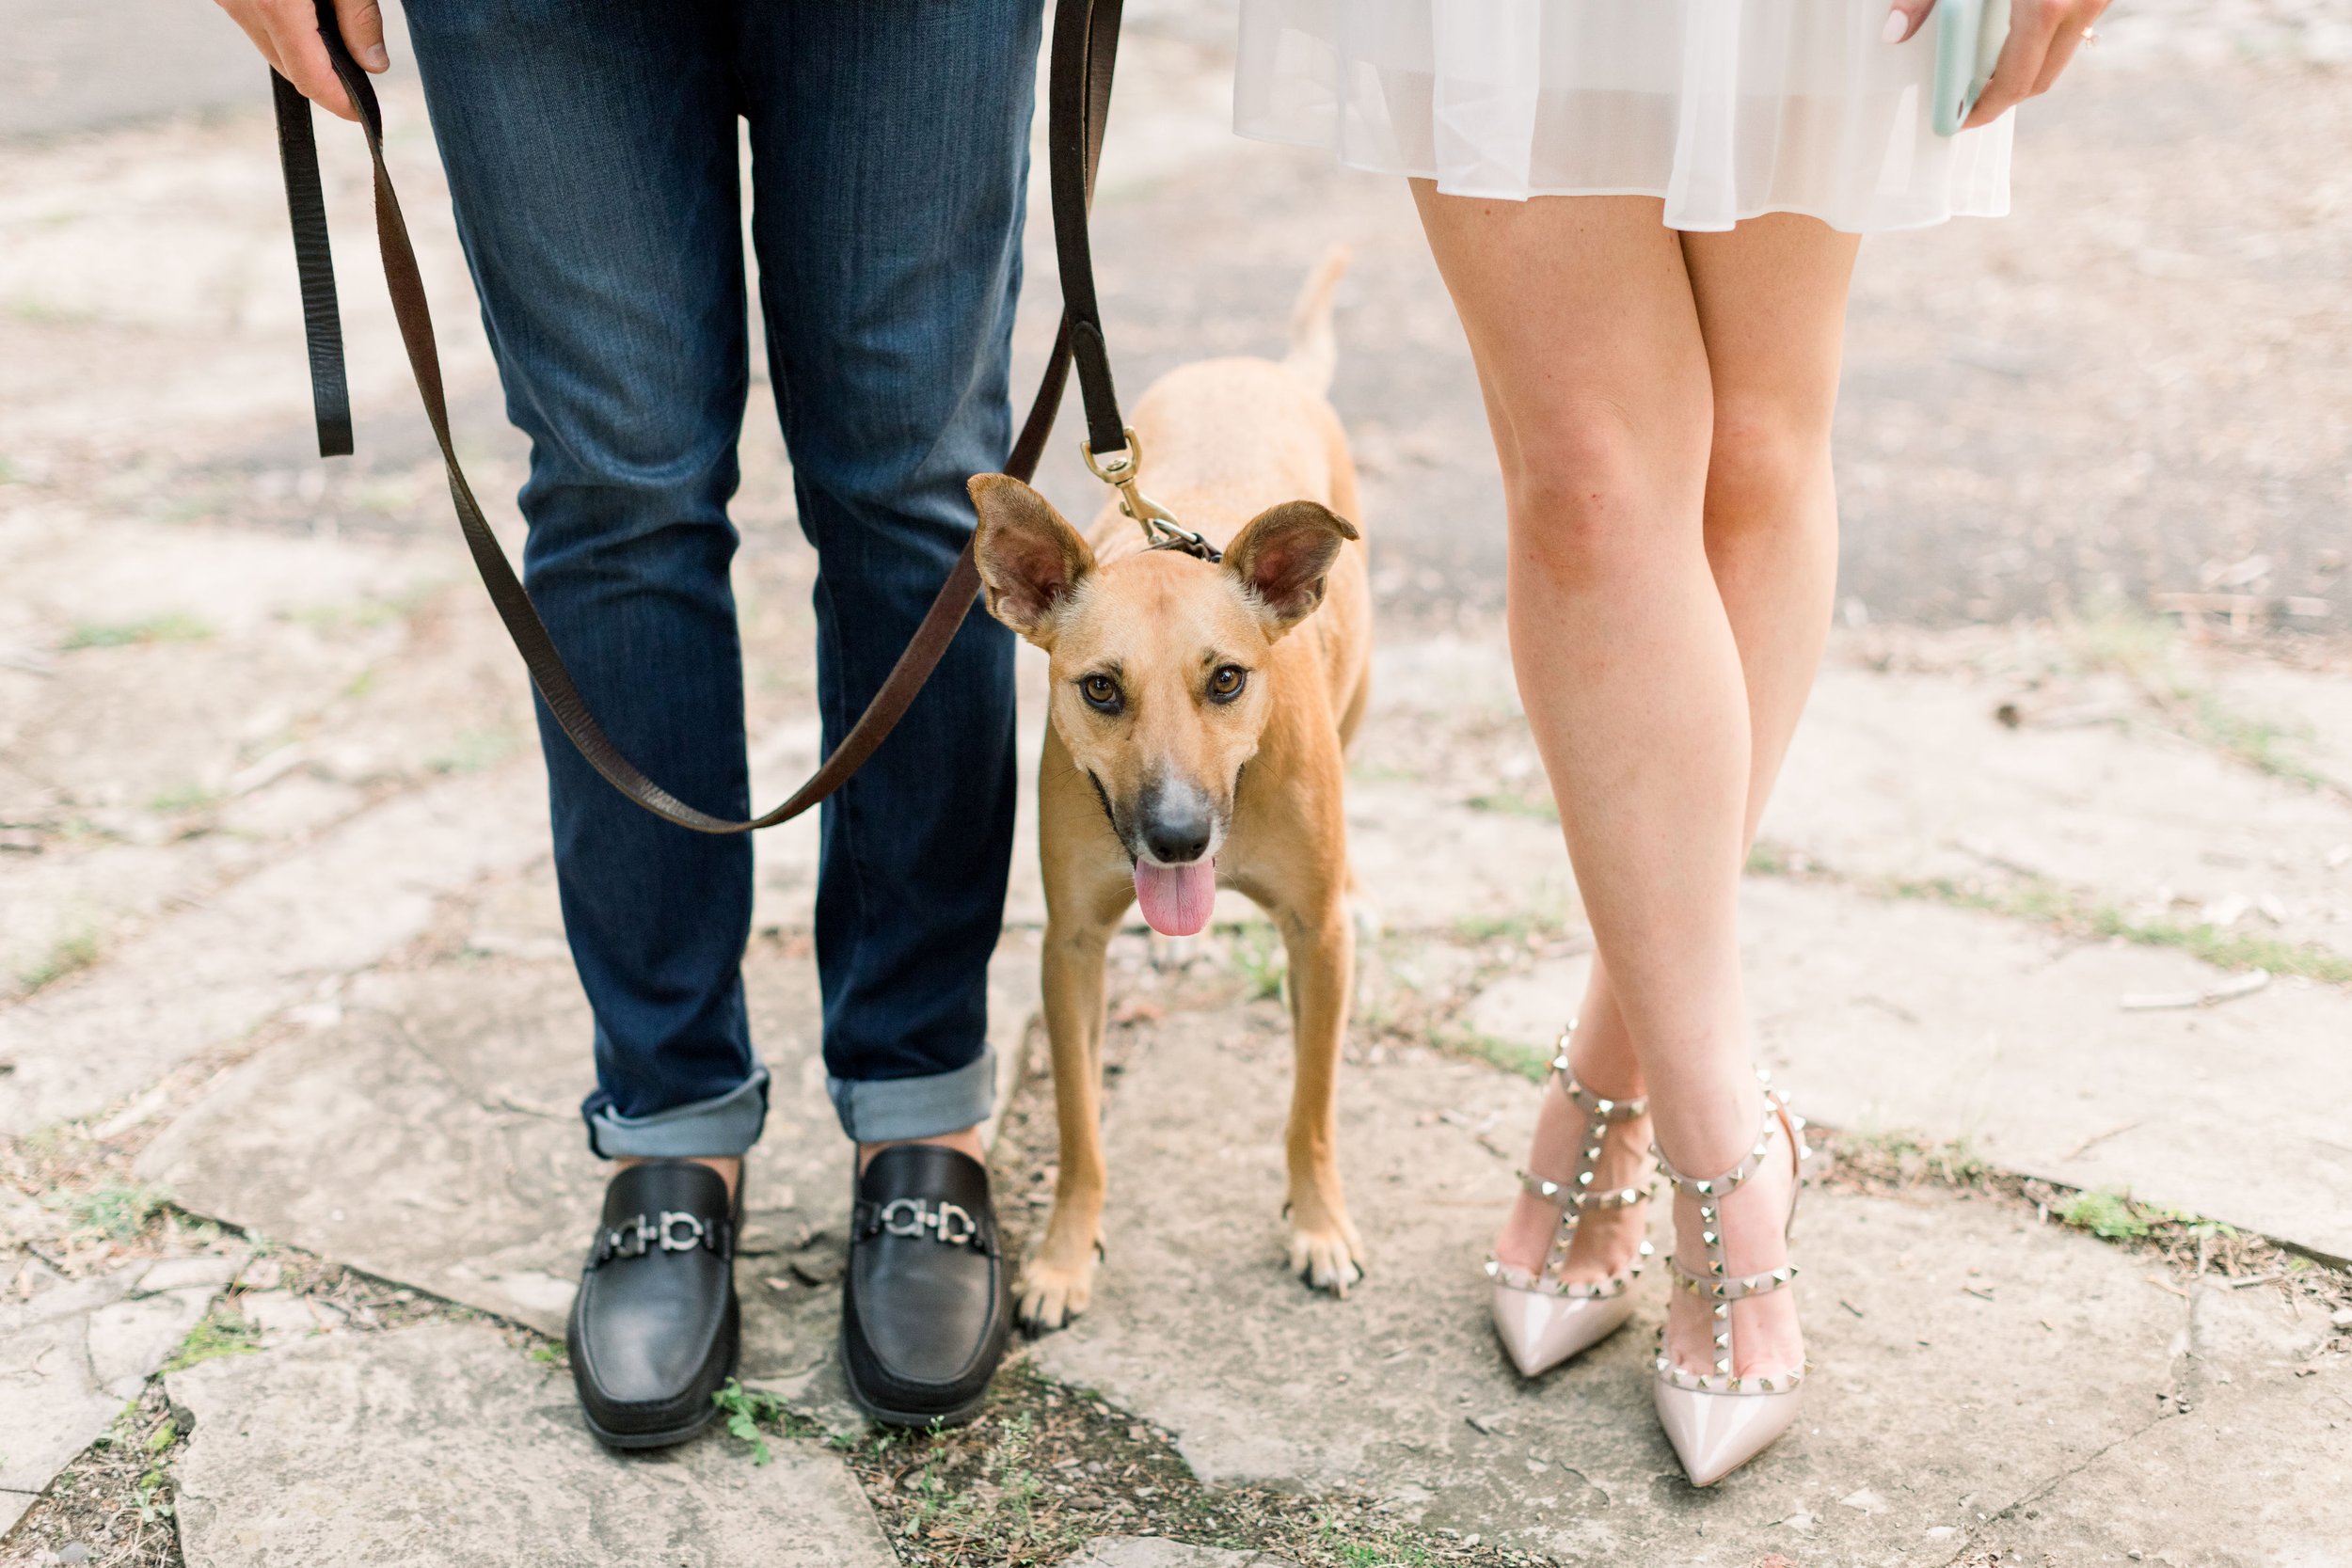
1030,560
1284,556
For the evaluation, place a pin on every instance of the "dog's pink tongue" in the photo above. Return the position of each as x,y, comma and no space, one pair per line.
1176,898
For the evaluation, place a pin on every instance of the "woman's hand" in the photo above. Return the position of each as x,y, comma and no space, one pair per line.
2042,36
287,33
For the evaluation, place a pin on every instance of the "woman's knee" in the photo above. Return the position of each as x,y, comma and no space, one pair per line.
1765,460
1596,489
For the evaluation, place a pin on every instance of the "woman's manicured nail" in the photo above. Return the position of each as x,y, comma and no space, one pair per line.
1895,24
375,58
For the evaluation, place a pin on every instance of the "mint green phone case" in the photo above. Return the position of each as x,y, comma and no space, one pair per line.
1968,39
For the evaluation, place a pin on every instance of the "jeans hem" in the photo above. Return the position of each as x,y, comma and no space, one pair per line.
726,1125
881,1110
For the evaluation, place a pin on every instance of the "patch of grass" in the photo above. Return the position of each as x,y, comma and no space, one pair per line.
173,627
2116,639
750,1415
1045,1467
1905,1158
39,312
1528,1062
547,1352
2048,903
2193,1246
2256,742
223,1331
1518,927
68,955
2112,1214
2106,1214
113,1506
187,796
1512,803
356,616
1262,960
1361,1554
474,750
117,1210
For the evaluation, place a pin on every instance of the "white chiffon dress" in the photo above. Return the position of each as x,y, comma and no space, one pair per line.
1723,109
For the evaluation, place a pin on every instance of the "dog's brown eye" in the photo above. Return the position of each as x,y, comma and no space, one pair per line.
1101,691
1226,681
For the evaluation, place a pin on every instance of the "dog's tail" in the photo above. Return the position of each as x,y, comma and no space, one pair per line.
1314,351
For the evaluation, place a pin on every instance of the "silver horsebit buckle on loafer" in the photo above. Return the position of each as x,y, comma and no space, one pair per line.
911,1216
672,1232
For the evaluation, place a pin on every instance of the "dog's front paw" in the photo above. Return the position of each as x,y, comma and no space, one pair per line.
1052,1293
1329,1256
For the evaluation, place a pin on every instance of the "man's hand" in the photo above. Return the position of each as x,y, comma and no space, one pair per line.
287,33
2042,36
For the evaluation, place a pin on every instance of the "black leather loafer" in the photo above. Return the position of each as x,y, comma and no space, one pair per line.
656,1327
924,1311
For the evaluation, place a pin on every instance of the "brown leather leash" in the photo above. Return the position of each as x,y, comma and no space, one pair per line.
1085,49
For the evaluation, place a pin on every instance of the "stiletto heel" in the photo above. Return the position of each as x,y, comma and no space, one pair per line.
1719,1420
1541,1318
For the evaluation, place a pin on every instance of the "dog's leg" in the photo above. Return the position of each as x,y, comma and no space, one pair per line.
1325,1249
1059,1279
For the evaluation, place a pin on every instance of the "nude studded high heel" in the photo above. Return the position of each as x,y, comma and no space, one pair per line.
1542,1319
1718,1420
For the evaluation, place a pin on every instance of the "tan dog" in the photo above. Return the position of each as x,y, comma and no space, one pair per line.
1198,714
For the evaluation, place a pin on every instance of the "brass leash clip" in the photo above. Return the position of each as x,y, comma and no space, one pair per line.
1122,471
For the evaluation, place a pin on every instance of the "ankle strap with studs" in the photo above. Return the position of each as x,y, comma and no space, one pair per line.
1716,1286
1576,1195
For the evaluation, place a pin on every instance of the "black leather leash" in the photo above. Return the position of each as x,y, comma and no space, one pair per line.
1085,50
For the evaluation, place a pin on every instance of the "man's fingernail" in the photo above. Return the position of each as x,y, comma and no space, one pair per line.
374,57
1895,24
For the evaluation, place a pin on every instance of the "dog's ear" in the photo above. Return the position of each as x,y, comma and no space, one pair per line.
1030,559
1284,556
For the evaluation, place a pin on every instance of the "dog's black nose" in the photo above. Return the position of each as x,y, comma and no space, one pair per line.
1176,824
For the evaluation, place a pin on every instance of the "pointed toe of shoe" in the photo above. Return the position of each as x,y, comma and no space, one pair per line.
1540,1330
1713,1434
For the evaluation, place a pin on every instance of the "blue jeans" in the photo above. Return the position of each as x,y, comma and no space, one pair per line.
591,149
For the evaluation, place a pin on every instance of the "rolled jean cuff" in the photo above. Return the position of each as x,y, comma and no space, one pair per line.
727,1125
881,1110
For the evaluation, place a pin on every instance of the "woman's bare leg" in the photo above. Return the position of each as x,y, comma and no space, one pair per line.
1771,301
1766,303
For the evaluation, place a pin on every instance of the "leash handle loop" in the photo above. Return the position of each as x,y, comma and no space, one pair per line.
1076,138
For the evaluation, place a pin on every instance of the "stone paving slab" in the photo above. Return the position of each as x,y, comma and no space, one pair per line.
1911,776
432,1138
1949,1405
2260,1478
73,1352
1899,1015
285,937
445,1445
